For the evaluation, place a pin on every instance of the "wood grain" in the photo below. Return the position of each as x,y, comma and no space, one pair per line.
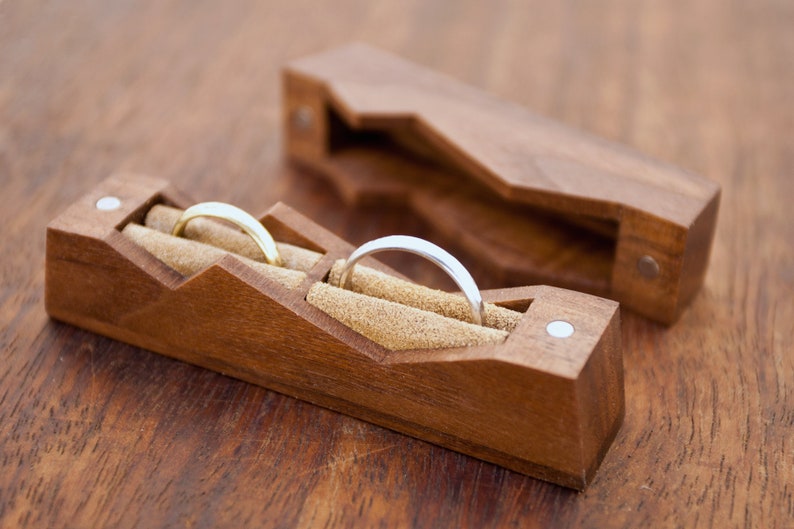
95,433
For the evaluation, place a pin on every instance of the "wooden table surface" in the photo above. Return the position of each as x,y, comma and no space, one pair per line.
95,433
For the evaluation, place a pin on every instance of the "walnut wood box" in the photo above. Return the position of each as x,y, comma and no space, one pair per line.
536,404
529,199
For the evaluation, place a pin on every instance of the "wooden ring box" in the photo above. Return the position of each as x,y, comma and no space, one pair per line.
529,199
540,405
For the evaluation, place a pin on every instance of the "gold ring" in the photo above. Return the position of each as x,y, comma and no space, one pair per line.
252,227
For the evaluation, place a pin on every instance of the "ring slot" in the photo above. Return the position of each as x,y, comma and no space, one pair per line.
429,251
252,227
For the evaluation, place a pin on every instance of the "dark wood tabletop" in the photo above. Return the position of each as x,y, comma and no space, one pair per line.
96,433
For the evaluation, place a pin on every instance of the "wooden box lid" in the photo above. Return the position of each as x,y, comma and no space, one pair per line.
527,198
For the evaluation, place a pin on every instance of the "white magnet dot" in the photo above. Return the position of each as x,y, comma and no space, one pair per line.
108,203
559,329
303,117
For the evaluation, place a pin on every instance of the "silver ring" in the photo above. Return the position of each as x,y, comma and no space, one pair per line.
429,251
252,227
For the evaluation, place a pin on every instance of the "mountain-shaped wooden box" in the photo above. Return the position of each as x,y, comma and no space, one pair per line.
527,198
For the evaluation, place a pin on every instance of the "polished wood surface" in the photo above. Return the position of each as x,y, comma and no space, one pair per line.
95,433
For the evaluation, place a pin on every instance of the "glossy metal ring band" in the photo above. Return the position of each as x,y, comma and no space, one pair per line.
429,251
252,227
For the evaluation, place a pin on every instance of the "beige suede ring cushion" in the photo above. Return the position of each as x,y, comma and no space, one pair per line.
392,312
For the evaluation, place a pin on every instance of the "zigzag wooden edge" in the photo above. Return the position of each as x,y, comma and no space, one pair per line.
535,404
662,212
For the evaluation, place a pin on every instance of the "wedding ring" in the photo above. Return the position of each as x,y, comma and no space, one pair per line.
252,227
429,251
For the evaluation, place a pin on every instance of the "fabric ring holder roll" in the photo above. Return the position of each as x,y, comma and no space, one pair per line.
395,313
429,251
401,315
239,218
